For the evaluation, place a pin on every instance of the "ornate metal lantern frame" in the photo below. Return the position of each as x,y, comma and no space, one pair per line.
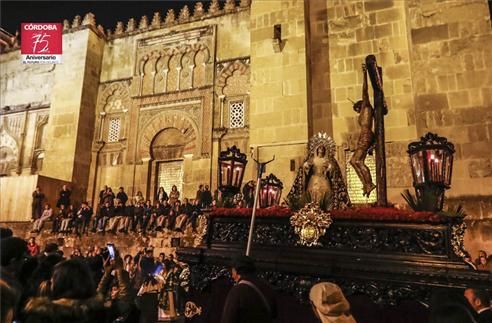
232,163
431,160
271,191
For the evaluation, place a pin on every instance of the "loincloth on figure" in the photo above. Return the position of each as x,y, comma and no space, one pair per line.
366,139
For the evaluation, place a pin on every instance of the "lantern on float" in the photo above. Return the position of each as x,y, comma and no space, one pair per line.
431,159
232,163
271,190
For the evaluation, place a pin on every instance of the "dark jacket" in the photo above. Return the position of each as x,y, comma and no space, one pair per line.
244,304
485,316
45,310
122,197
64,198
122,307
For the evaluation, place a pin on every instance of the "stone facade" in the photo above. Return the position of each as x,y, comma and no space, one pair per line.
263,76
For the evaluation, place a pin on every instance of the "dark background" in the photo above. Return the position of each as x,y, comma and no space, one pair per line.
13,13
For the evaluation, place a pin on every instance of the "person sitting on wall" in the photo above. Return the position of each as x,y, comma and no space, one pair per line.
45,216
147,216
58,218
161,195
138,217
480,301
154,216
84,215
129,218
105,213
117,217
102,193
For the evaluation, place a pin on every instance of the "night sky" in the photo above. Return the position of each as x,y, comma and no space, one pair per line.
13,13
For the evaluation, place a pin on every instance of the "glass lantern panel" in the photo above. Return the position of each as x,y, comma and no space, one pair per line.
418,167
226,173
236,174
449,169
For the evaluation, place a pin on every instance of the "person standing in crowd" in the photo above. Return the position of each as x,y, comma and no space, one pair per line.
147,216
161,195
121,196
38,198
45,216
251,299
329,304
64,197
109,196
206,197
147,296
199,193
101,195
480,301
138,215
32,247
173,195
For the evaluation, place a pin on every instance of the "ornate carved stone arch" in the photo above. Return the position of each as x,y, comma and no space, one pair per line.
118,89
229,71
164,120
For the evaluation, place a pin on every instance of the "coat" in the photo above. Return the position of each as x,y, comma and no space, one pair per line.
46,310
244,305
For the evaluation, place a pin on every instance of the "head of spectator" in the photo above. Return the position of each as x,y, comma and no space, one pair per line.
47,206
9,300
69,280
207,188
329,304
479,299
64,187
50,248
76,253
174,188
162,257
5,233
482,253
13,251
451,307
242,266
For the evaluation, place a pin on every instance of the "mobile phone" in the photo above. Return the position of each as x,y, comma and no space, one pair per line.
158,269
111,251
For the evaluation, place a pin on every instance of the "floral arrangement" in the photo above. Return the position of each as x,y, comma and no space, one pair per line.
385,214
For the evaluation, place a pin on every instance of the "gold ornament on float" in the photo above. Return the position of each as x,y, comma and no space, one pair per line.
310,223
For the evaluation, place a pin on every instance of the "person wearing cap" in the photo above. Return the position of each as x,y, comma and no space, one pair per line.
329,304
251,299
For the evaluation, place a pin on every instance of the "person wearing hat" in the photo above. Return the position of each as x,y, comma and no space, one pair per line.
251,299
329,304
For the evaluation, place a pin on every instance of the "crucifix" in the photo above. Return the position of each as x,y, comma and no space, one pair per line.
369,139
380,110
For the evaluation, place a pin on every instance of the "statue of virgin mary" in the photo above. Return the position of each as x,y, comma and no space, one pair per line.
320,175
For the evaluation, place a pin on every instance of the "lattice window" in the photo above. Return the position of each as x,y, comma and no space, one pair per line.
354,184
114,129
170,173
236,114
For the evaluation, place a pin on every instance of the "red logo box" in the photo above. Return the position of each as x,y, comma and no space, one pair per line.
41,43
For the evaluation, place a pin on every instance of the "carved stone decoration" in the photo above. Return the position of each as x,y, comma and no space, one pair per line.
184,14
310,224
229,6
119,28
170,17
130,26
169,119
144,23
66,24
234,78
89,19
198,11
8,152
245,3
156,20
76,21
202,229
457,239
214,7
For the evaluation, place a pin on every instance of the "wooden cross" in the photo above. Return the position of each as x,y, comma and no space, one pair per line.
380,110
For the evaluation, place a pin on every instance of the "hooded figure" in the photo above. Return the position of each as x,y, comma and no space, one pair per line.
329,304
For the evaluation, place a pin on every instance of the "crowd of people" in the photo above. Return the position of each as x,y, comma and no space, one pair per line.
98,285
117,213
482,262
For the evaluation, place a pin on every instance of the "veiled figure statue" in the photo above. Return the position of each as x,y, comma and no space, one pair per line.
320,176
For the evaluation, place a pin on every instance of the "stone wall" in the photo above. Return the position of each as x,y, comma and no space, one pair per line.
278,108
